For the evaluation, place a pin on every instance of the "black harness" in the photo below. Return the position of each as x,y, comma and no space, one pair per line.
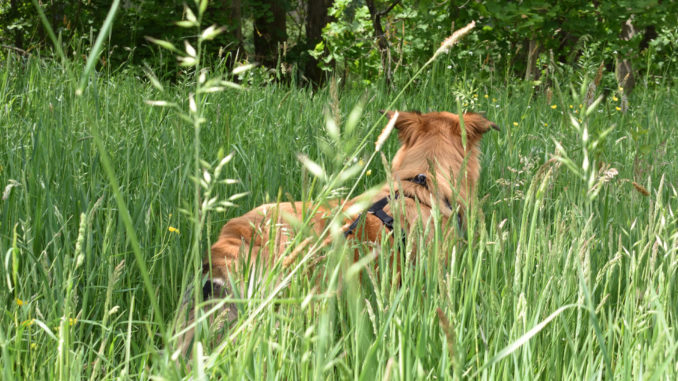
377,209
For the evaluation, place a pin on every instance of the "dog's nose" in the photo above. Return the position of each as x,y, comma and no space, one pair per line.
494,126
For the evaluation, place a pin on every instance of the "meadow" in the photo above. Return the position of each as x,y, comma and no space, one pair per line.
568,269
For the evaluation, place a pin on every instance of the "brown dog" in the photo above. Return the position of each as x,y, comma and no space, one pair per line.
427,170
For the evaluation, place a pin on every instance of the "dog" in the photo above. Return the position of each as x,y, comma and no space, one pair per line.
433,168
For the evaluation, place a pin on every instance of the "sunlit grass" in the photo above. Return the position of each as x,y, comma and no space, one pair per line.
550,283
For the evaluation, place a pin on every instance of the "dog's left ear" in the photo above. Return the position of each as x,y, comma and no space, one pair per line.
477,124
408,124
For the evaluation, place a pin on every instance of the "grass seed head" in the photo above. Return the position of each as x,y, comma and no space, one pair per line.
454,38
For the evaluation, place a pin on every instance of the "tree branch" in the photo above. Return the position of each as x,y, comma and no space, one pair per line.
387,10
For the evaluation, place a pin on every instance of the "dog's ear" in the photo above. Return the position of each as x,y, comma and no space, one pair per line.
407,124
477,124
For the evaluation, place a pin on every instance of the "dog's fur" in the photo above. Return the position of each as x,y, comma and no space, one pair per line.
431,144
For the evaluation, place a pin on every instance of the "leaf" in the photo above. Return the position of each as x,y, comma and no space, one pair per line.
242,69
313,167
190,50
186,24
163,44
190,16
210,32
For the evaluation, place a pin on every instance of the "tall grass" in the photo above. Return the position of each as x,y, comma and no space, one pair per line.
554,279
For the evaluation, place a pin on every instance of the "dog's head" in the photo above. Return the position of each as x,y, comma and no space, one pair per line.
435,139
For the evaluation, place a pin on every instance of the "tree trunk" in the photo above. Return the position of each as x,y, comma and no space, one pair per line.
379,34
270,30
624,70
316,19
235,22
228,13
532,54
18,32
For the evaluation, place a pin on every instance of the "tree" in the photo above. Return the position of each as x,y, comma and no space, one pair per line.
316,19
380,36
270,31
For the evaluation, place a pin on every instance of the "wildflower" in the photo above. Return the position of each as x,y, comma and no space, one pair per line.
515,124
28,323
621,89
581,105
614,98
576,111
494,99
618,108
19,302
361,162
546,124
172,229
368,173
554,106
475,96
34,345
579,120
72,321
486,96
571,106
170,215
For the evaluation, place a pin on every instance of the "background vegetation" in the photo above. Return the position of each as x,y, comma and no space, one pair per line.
365,39
568,268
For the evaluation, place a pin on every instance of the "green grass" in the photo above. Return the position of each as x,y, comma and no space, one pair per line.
599,272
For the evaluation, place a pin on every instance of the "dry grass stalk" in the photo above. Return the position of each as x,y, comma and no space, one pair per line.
641,189
449,334
386,131
288,260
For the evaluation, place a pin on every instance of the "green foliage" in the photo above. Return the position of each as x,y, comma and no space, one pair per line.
348,42
413,29
561,28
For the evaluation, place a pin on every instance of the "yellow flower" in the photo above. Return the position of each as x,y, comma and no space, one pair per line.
486,96
576,111
28,323
621,89
361,162
170,215
19,302
554,107
494,99
34,345
475,96
515,124
72,321
173,230
618,108
546,124
581,105
368,173
571,106
614,98
579,120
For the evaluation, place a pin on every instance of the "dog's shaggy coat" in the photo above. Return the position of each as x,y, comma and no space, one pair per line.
431,145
